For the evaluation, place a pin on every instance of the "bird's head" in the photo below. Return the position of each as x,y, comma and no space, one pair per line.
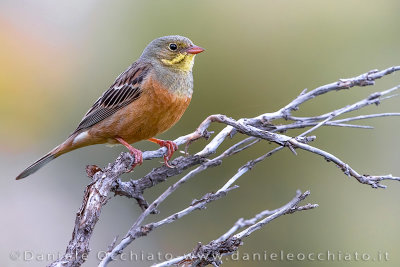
174,51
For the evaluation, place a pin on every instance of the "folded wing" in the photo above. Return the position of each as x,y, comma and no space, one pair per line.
125,90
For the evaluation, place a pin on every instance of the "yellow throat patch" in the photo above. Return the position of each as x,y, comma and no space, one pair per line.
182,62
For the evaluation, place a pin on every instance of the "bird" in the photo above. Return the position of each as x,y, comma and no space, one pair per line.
147,99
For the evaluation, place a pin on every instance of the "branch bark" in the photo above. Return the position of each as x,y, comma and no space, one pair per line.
95,197
228,243
255,129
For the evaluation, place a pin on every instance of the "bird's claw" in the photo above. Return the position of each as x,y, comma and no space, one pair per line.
138,155
171,148
169,145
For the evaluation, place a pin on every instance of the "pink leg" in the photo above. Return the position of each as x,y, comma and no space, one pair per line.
136,152
171,148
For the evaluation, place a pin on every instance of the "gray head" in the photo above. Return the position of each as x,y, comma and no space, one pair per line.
174,51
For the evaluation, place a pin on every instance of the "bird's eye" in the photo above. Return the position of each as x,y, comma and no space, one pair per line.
173,47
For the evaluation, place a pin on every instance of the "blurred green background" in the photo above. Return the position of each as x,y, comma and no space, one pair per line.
57,57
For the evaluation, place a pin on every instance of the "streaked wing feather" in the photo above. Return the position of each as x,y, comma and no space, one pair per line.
125,90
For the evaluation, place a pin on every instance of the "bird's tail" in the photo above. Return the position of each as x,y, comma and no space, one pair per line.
56,152
36,166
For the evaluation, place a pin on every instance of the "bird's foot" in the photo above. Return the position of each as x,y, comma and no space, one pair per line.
138,155
171,148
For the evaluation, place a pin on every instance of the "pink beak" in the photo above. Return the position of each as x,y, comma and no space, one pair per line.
194,50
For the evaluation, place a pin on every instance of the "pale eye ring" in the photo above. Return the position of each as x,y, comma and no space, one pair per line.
172,46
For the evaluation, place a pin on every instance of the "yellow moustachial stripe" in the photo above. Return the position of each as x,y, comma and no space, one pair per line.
181,61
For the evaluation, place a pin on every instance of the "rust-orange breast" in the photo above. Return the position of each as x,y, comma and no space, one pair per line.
155,111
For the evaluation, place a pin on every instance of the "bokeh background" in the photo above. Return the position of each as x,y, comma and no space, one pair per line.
57,57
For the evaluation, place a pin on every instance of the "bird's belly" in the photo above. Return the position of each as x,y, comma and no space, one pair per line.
152,120
154,112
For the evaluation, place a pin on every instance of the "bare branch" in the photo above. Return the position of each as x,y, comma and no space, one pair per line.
229,242
364,117
137,231
373,181
361,80
255,130
95,197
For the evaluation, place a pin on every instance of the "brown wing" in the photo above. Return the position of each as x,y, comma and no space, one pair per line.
122,92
